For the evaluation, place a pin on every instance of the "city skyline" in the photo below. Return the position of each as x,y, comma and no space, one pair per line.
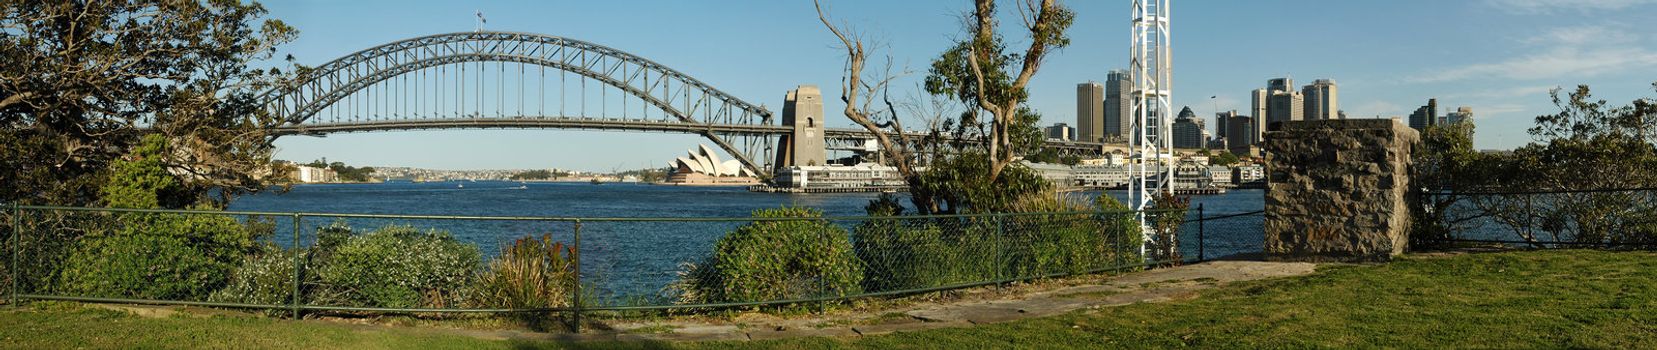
1498,56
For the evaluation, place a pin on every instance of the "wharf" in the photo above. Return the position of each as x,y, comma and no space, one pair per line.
859,189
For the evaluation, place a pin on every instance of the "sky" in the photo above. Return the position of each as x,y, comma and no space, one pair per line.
1500,57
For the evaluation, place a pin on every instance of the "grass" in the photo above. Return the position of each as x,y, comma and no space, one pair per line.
1533,299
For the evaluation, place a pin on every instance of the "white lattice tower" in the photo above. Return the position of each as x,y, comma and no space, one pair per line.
1152,69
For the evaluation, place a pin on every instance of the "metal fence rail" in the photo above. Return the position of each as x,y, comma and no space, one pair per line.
1618,218
294,263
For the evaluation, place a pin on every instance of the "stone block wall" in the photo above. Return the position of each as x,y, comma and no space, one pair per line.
1338,190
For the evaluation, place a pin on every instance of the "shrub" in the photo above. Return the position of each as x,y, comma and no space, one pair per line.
775,260
907,253
1165,225
265,277
530,273
160,256
394,266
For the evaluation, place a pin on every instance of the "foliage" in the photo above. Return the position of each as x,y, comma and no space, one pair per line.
394,266
75,93
141,181
1589,145
539,174
1166,218
1223,158
532,273
346,172
905,253
801,257
1446,161
265,277
1520,300
962,184
153,255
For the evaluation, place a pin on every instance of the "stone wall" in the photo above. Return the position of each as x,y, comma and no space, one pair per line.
1338,190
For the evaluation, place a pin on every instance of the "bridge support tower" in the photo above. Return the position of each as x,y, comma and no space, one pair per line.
802,110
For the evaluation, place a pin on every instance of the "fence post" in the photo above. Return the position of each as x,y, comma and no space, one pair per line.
293,300
576,304
17,251
1000,250
1201,241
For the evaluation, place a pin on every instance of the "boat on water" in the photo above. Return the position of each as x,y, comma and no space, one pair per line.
596,182
460,185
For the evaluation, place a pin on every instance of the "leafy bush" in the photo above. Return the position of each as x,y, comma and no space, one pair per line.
1165,223
143,267
775,260
905,253
265,277
160,256
394,266
901,253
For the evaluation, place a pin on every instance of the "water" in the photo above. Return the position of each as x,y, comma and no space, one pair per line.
626,259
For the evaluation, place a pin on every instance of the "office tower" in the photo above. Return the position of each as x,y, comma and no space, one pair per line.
1090,117
1188,130
1259,98
1462,114
1280,84
1241,135
1425,115
1118,105
1322,100
1061,132
1221,119
1285,106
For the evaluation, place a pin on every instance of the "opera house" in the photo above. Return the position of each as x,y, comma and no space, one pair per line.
701,166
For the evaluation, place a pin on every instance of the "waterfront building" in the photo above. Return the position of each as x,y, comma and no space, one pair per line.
1248,173
1058,174
861,177
309,174
1119,117
1101,175
1061,132
1425,115
702,166
1090,113
1322,100
1221,175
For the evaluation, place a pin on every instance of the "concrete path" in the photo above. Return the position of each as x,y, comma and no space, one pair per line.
982,306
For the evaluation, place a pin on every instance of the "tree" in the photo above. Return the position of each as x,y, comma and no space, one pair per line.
1012,132
988,80
1224,158
83,80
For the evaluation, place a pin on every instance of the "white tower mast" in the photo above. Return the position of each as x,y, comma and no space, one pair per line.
1152,70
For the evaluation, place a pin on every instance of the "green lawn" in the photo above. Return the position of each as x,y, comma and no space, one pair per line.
1539,299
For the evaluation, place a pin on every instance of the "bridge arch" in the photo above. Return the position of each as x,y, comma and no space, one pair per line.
697,106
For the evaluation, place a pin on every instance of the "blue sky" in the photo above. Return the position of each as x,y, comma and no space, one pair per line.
1389,56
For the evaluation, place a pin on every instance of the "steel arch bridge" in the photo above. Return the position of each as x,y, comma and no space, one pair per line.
409,85
468,81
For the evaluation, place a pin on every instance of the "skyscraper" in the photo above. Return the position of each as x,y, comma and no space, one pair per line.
1118,105
1061,132
1259,98
1285,106
1188,130
1462,114
1280,84
1242,134
1090,117
1220,121
1322,100
1425,115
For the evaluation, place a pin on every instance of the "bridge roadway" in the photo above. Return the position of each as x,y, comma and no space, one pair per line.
319,129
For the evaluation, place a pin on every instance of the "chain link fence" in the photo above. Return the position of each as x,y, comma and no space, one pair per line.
549,268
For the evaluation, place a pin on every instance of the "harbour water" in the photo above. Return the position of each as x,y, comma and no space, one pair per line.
631,258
